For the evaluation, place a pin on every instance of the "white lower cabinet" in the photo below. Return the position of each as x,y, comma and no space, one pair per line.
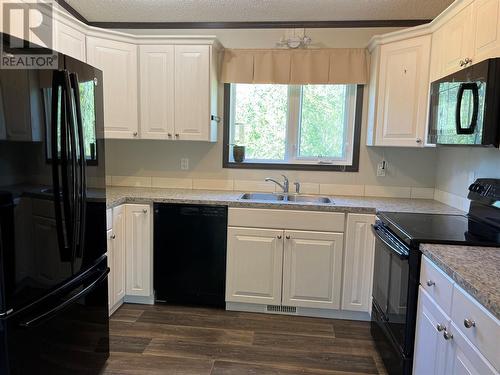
312,269
254,265
358,263
138,250
441,342
430,348
116,259
129,255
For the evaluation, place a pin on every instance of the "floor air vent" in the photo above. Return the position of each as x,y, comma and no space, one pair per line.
282,309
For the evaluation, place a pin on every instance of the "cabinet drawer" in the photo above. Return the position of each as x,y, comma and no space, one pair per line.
485,329
287,219
437,284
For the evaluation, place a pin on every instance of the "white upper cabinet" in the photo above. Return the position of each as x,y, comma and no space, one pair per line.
399,90
457,41
156,64
467,35
358,263
192,92
118,61
254,265
312,269
69,40
486,15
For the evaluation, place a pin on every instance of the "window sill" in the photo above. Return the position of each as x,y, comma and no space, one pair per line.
294,167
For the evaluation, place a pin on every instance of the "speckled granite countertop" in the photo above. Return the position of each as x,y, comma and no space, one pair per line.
120,195
475,269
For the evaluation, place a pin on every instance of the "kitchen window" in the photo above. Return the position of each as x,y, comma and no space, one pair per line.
293,126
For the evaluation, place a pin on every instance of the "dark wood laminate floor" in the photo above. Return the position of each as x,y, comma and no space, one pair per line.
198,341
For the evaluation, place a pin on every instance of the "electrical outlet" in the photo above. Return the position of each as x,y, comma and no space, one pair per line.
381,168
184,164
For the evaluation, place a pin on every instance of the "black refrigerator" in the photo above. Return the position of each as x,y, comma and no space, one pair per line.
53,265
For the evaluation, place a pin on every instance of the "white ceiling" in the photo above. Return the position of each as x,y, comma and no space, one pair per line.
255,10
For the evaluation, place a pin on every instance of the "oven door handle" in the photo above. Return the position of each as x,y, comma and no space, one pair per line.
382,236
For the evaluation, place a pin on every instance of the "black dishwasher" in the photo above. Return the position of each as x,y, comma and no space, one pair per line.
190,254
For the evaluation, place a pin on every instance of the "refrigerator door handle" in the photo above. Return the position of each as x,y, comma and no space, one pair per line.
74,208
75,84
58,160
32,322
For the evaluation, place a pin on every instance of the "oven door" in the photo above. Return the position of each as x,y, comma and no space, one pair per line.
390,283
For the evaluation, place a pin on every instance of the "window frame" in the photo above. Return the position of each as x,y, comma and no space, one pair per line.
299,163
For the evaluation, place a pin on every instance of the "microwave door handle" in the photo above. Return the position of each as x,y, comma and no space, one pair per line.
383,237
473,87
75,84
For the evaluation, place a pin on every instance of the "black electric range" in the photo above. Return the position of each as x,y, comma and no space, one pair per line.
397,265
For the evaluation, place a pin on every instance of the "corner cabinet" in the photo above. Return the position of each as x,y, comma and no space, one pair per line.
398,93
178,90
130,255
118,62
139,253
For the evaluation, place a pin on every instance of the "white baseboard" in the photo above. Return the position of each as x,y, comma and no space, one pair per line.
301,311
141,300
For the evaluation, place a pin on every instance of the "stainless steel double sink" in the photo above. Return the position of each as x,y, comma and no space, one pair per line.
270,197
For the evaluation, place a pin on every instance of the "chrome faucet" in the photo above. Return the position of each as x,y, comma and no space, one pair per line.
285,185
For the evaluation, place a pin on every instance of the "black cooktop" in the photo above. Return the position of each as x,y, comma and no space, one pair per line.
438,228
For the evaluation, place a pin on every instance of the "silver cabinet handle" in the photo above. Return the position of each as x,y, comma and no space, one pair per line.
113,236
135,134
462,63
176,135
447,335
469,323
467,60
145,211
278,237
430,283
440,327
169,135
287,237
418,140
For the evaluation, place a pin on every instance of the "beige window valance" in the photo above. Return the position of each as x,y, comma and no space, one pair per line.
304,66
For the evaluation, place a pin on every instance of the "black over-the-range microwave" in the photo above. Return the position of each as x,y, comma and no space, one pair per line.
465,106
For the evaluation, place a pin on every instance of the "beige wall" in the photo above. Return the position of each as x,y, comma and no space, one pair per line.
406,167
458,167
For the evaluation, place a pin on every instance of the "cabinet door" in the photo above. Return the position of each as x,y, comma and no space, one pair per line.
138,248
358,263
118,62
403,93
430,345
111,275
312,269
157,92
70,41
457,41
192,93
464,358
118,264
254,265
487,29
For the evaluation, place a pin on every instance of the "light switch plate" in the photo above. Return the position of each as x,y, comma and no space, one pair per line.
184,164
